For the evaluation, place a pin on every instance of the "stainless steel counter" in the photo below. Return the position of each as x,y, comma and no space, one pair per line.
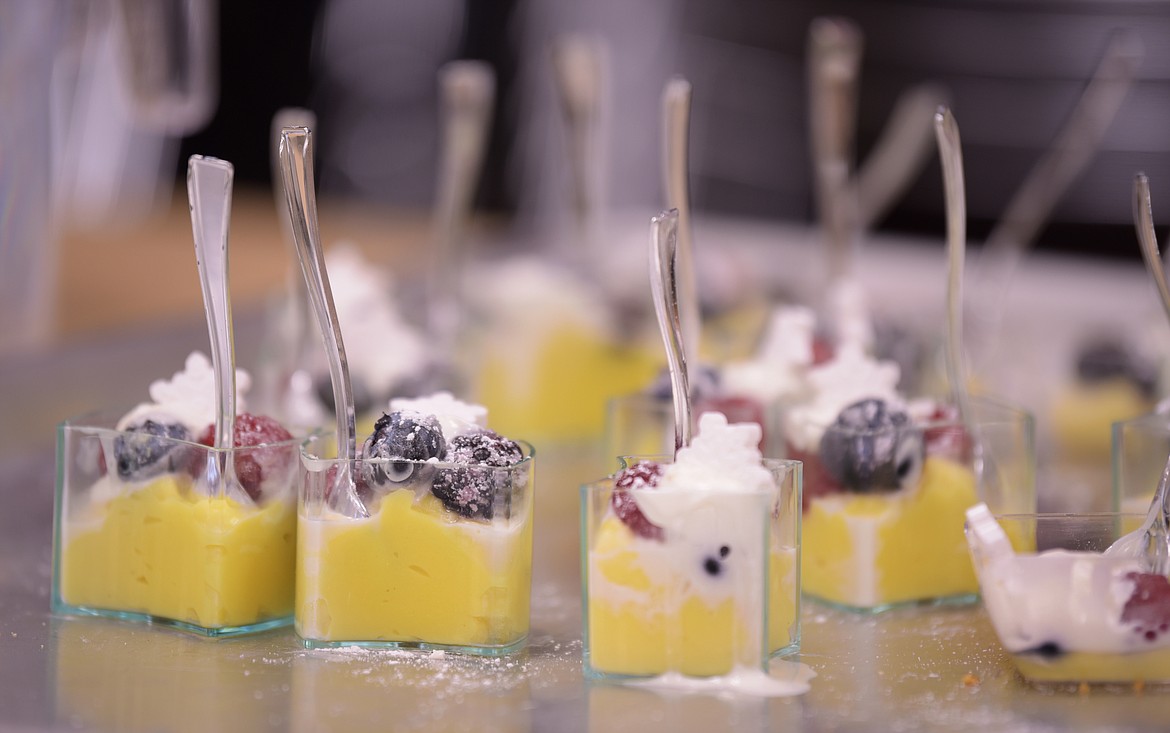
916,669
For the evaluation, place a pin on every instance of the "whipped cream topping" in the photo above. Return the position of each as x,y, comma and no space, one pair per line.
1074,600
716,494
381,346
454,416
851,375
778,370
188,397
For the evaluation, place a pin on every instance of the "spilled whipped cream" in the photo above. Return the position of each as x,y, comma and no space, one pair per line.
1057,600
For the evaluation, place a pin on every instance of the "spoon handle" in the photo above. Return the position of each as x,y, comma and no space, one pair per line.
296,157
579,62
676,122
951,155
1073,148
834,61
899,153
1143,219
1156,528
664,251
209,196
466,96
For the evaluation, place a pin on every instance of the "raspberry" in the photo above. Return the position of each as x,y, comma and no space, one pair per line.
254,466
947,441
639,477
817,482
471,493
360,486
822,350
1148,607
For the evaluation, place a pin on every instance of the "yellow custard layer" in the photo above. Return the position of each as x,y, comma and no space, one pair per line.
871,550
560,390
168,552
1076,667
414,573
644,625
1083,416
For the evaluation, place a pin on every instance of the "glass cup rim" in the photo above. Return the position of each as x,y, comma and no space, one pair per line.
80,424
1005,413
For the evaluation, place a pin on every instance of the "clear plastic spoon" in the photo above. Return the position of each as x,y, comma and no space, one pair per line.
664,251
950,153
466,97
1152,539
834,62
296,157
676,125
580,65
209,196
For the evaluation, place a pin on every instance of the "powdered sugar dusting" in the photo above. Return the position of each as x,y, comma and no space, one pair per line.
455,416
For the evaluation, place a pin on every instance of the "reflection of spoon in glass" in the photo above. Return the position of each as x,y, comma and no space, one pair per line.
296,157
950,153
664,252
209,196
1152,539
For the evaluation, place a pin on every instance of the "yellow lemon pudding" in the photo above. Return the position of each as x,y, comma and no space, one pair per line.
444,558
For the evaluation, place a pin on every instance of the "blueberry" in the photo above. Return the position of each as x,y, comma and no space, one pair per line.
1109,358
713,565
873,449
704,383
472,493
149,449
1048,650
363,399
403,438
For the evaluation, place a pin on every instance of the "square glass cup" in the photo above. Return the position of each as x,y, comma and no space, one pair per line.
145,529
643,423
1065,619
1140,448
897,537
719,591
415,574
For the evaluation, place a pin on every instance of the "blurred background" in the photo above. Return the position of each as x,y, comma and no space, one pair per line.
106,100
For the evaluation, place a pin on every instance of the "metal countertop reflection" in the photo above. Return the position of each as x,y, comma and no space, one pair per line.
913,669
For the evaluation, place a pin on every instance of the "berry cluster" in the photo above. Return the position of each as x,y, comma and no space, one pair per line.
411,445
642,475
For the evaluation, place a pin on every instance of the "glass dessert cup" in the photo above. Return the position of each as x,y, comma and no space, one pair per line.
643,423
1070,614
704,602
164,544
415,574
1140,447
871,551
